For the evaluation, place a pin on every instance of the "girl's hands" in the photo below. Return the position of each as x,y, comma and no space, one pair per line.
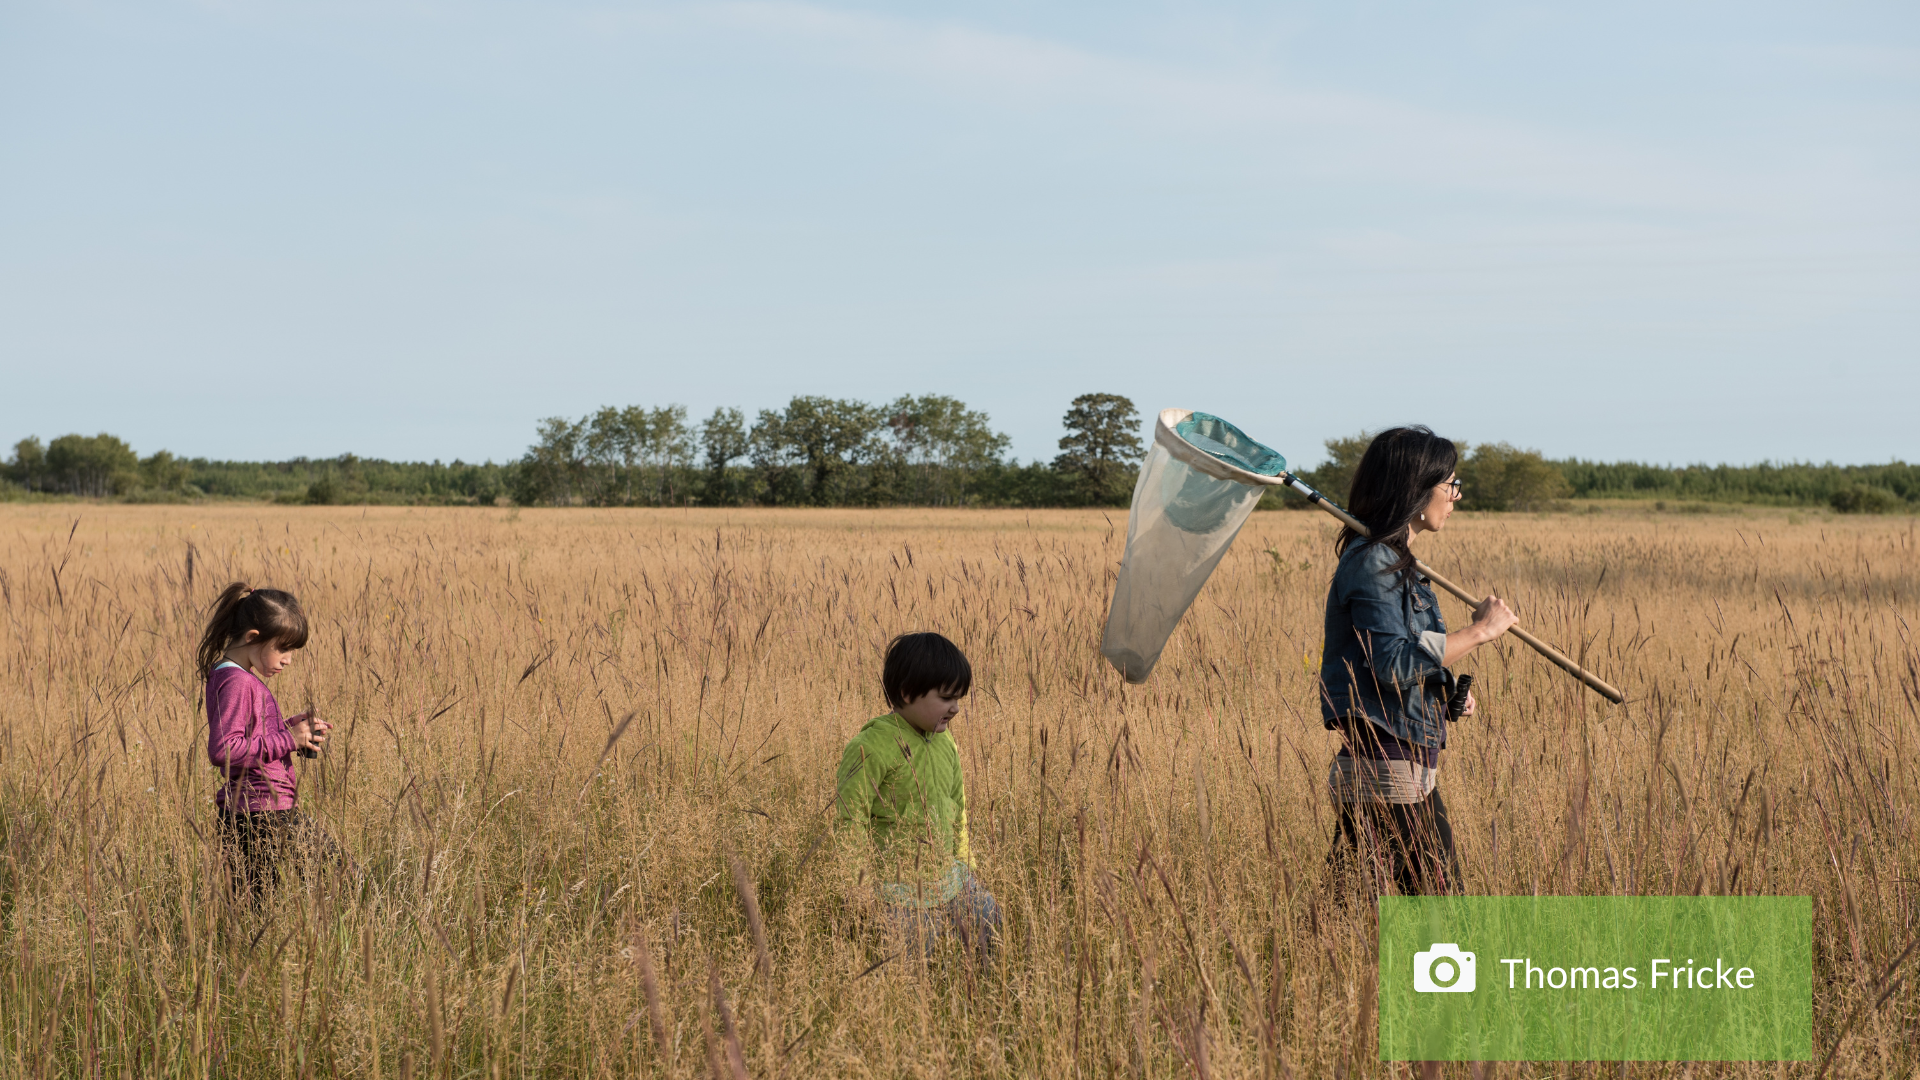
1470,706
309,731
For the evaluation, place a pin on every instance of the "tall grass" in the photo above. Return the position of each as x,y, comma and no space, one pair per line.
584,765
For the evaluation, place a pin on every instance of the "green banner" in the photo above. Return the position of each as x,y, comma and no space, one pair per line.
1596,978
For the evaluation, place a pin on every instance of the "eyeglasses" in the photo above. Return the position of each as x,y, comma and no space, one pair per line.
1454,486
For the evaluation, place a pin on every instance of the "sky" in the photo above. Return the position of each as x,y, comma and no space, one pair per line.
1672,232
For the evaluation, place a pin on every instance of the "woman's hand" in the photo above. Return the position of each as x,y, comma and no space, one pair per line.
1491,619
1470,706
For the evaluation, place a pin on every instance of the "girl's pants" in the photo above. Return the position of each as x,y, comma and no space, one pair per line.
971,916
1411,841
260,842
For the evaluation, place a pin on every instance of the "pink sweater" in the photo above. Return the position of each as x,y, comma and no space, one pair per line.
247,741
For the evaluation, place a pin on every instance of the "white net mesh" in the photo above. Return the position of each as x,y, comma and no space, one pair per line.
1201,479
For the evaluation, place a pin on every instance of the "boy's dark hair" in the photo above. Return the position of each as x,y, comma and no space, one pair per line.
917,663
275,614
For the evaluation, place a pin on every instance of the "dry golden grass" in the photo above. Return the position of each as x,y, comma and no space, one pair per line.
548,889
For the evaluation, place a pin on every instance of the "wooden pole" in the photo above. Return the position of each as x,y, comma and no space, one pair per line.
1559,659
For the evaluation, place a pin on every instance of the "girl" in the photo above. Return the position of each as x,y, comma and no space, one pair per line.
1384,682
250,638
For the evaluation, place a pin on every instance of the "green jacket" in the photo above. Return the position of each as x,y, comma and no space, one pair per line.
903,789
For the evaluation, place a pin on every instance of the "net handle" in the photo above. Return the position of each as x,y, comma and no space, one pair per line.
1558,658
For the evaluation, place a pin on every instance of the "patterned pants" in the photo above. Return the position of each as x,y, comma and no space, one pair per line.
971,917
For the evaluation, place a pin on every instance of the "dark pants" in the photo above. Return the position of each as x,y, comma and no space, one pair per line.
258,844
1412,841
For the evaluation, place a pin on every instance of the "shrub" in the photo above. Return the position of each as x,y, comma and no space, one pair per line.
1861,499
163,474
1499,476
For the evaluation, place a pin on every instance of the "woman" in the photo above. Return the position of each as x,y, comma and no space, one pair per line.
1384,675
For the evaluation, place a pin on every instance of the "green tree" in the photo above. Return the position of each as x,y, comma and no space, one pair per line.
552,470
610,447
1334,476
940,446
1500,476
723,440
1101,447
667,449
812,451
92,465
29,465
635,455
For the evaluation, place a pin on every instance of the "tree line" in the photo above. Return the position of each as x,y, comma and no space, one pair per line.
104,466
930,450
1499,476
927,450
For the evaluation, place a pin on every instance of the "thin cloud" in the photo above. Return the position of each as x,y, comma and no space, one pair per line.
1308,133
1876,61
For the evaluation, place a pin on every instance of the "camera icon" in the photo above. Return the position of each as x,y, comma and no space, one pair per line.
1443,969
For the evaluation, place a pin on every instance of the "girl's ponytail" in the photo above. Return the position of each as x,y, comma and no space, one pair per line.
214,640
238,609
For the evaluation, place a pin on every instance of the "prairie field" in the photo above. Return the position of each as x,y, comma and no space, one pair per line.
583,764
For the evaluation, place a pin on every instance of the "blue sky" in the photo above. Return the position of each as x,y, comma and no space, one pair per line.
1667,232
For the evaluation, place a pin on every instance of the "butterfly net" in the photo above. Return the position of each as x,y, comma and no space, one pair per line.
1201,479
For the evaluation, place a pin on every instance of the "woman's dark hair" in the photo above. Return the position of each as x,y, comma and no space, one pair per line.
275,614
917,663
1393,484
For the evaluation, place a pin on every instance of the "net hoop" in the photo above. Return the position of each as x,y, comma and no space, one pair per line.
1189,454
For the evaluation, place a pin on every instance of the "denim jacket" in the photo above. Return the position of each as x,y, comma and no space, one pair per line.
1385,639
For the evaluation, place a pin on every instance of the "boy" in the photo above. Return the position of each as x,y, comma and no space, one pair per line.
900,788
